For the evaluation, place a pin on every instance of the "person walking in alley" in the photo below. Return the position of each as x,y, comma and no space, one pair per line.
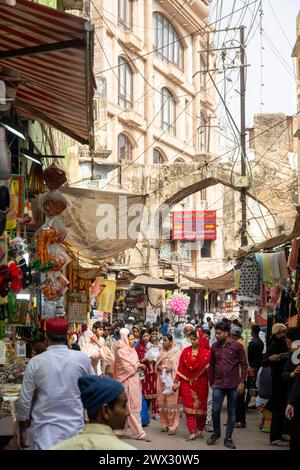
166,367
276,356
227,375
192,379
240,420
57,413
255,355
106,404
126,371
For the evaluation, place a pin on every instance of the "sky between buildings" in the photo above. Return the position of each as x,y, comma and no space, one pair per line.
272,48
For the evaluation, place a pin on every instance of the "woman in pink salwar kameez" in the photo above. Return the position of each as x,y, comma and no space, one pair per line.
126,369
167,363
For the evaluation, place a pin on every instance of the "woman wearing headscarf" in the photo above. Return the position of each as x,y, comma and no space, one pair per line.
166,367
126,371
135,337
192,378
276,357
149,382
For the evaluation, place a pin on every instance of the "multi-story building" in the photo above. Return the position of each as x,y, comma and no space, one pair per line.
153,58
296,54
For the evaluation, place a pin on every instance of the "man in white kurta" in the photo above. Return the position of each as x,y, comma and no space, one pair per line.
50,396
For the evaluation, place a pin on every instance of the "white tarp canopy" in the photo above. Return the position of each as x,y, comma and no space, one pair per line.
219,283
98,223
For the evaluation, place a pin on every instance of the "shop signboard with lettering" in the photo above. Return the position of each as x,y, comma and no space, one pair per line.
194,225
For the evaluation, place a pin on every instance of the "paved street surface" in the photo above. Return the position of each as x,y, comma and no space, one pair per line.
249,438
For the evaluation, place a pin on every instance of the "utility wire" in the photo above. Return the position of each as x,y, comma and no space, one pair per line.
206,28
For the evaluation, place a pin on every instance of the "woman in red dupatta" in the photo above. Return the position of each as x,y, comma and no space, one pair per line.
192,378
149,383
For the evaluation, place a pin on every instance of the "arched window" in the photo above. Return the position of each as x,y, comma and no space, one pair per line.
125,148
168,112
125,83
158,157
166,41
125,14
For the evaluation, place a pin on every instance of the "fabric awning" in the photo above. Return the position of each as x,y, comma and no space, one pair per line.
149,281
100,224
219,284
53,54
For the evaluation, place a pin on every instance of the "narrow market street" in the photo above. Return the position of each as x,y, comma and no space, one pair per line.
249,438
149,230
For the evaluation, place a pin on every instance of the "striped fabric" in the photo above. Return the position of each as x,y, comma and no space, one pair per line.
56,86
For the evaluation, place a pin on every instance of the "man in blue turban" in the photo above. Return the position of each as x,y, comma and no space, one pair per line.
105,401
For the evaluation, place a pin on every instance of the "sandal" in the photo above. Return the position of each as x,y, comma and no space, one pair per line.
200,435
171,432
192,437
146,439
164,430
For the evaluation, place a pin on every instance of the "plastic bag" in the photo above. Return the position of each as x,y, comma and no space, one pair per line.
54,286
17,247
54,177
152,354
54,203
58,256
167,381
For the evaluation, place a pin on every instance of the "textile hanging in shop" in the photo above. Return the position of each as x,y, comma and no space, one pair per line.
100,224
294,254
107,297
249,289
272,268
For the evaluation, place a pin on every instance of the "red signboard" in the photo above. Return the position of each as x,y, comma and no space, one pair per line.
194,225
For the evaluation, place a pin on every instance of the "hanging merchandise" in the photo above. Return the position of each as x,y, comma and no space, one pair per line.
294,254
54,177
11,217
54,286
5,158
35,179
77,307
58,256
50,233
54,203
249,289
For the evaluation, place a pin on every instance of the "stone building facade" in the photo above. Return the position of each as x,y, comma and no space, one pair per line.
296,55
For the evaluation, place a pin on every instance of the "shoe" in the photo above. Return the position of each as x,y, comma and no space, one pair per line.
212,440
209,428
229,444
240,425
279,443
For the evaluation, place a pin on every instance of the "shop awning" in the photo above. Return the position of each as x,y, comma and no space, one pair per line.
219,284
149,281
100,224
53,53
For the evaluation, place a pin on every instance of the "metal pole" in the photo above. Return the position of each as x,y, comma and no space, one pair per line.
244,240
